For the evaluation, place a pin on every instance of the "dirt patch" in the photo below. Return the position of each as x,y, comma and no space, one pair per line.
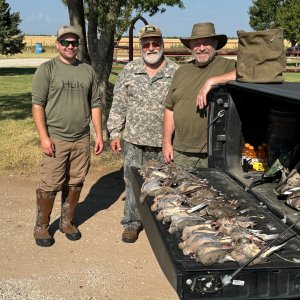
99,266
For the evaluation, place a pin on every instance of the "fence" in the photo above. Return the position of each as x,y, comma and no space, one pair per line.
173,49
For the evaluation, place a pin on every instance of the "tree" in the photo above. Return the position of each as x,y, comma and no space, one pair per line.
11,39
288,17
106,22
267,14
76,13
263,14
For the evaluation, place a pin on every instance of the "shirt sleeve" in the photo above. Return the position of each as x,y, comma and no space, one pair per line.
117,114
40,85
231,65
169,103
95,93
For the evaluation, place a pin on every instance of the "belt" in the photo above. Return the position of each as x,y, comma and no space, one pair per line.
150,149
193,154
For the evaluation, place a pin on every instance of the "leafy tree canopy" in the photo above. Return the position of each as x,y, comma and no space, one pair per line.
126,11
11,38
288,17
267,14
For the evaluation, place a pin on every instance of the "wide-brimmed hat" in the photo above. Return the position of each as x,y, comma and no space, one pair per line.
205,30
67,29
149,31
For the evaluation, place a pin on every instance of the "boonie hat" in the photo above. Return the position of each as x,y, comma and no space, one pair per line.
205,30
68,29
149,31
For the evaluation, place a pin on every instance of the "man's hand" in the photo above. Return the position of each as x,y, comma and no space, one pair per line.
48,147
201,100
168,153
98,146
115,146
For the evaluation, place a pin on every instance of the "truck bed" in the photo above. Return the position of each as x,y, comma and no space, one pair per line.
279,278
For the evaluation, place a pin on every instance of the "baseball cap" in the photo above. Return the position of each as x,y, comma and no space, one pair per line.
148,31
67,29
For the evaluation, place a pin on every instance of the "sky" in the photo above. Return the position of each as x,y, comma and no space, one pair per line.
43,17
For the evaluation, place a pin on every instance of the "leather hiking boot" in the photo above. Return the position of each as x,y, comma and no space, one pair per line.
69,229
69,198
44,201
130,235
42,236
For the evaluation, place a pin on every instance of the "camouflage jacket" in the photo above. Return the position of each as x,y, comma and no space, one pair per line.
138,104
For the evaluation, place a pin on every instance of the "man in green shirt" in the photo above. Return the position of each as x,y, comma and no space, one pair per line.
65,97
184,115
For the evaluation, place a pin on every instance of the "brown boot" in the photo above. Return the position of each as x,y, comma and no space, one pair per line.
130,235
70,197
45,201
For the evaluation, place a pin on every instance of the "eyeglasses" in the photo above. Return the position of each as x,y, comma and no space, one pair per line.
66,43
154,45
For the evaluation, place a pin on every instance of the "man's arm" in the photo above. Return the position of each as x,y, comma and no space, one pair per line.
117,114
38,113
97,123
169,128
201,100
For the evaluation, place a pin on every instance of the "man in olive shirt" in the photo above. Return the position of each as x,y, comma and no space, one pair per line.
65,97
184,114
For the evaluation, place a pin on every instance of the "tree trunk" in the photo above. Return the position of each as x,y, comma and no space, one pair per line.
76,16
99,52
101,47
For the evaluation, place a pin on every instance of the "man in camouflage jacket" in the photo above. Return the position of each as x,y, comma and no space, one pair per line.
136,116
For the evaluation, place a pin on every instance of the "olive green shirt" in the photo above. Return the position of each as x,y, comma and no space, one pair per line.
190,123
68,93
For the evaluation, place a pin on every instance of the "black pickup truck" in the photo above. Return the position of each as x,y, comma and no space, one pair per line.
253,113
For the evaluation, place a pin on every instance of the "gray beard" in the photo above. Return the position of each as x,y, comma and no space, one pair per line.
210,58
153,59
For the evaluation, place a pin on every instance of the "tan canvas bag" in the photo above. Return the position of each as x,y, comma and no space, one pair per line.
261,56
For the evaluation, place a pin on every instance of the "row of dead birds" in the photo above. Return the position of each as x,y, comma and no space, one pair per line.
212,229
289,186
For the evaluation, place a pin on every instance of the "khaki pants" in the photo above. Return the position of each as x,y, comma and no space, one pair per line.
69,166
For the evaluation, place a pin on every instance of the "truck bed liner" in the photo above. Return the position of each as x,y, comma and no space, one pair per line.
277,279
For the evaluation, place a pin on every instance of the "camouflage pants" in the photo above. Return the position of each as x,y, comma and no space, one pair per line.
191,160
135,156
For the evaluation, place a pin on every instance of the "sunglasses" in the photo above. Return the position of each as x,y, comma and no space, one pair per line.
66,43
154,45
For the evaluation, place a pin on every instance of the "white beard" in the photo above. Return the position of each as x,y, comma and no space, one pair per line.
153,57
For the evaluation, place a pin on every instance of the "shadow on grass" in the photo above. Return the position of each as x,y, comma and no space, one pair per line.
16,71
103,194
15,107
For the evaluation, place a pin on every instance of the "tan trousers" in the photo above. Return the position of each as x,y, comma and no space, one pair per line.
69,166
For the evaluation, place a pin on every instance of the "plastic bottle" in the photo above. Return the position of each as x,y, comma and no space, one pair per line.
261,154
245,148
251,156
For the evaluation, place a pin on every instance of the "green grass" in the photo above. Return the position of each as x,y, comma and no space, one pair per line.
19,141
20,150
292,77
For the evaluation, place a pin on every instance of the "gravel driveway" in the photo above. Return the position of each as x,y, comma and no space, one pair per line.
99,266
21,62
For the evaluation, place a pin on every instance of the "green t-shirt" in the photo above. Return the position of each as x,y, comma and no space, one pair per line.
67,92
190,123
